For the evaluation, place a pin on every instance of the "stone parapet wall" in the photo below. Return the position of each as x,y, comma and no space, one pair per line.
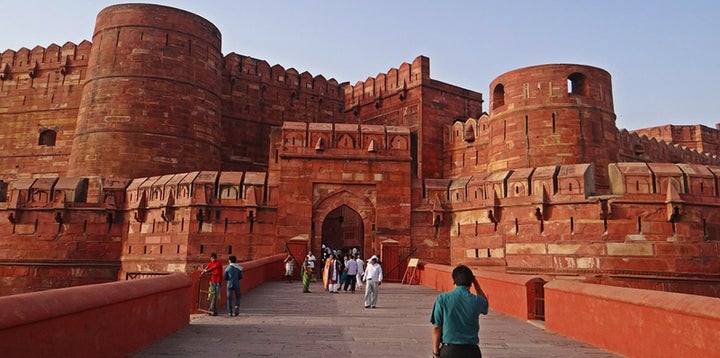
612,314
109,320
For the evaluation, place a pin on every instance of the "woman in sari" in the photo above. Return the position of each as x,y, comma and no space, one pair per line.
306,274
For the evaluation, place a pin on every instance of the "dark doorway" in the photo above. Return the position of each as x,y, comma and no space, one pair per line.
343,229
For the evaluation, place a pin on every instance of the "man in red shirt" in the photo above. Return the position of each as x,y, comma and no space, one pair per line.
214,267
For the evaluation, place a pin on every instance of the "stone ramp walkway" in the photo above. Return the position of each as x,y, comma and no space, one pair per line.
278,320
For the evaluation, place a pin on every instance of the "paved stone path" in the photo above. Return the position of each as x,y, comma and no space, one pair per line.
278,320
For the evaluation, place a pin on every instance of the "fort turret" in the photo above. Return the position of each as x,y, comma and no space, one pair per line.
150,104
554,114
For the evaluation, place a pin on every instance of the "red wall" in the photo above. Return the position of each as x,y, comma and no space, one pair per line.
506,293
632,322
104,320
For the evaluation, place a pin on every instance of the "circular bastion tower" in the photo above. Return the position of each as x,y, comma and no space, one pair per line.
151,101
553,115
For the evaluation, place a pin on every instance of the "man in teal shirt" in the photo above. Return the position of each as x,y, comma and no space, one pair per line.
455,317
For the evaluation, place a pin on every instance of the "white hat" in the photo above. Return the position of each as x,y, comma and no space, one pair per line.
374,257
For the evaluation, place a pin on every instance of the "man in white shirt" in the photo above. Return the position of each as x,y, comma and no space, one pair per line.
373,278
311,262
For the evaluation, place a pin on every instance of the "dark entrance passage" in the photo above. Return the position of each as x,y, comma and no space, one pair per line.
343,229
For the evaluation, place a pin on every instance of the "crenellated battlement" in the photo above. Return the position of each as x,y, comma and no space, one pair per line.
634,146
51,58
699,137
245,69
396,80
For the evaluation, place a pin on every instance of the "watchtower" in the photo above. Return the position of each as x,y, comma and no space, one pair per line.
554,114
150,104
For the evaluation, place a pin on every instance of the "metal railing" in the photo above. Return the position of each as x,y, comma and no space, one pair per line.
140,274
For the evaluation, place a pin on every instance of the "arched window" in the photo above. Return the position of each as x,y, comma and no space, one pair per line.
47,137
576,84
498,96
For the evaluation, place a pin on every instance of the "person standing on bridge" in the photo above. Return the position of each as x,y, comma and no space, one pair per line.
214,267
307,274
360,271
455,317
289,266
233,275
351,269
311,261
332,274
373,278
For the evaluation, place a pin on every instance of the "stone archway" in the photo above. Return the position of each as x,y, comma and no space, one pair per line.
343,229
353,205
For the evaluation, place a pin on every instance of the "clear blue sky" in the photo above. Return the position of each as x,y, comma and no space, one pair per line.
662,55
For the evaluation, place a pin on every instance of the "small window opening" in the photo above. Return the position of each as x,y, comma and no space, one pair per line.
577,84
498,96
47,138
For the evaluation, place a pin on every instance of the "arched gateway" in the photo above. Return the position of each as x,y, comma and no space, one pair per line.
344,221
343,229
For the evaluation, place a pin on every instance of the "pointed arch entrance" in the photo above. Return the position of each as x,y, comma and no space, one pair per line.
343,228
357,226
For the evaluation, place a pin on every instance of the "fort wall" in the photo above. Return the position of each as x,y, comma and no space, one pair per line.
658,222
257,97
407,96
698,137
635,146
39,102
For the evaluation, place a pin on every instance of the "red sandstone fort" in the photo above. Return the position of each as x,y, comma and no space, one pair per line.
147,148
